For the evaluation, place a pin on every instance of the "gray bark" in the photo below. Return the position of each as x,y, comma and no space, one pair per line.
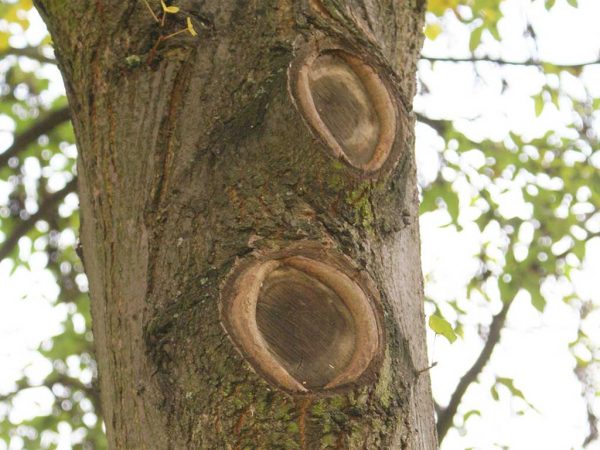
194,156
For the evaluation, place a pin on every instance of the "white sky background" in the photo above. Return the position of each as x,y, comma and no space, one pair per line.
534,348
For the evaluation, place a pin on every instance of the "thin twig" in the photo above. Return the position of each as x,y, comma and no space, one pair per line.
46,208
40,127
528,62
151,11
174,34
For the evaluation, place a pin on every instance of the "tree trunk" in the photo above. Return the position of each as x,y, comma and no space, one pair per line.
250,220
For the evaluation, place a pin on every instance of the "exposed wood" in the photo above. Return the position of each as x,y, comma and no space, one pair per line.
304,323
347,104
344,107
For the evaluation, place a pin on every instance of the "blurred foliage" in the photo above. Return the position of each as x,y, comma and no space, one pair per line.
551,179
38,221
532,200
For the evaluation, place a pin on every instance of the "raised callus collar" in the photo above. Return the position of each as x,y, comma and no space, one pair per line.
304,324
347,104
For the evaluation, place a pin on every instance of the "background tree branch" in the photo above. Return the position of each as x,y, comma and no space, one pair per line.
29,52
45,209
439,125
446,415
42,126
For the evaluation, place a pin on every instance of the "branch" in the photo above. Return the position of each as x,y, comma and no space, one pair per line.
439,125
593,424
528,62
29,52
45,208
40,127
446,416
72,383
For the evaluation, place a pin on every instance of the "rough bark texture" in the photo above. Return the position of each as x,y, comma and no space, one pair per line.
194,156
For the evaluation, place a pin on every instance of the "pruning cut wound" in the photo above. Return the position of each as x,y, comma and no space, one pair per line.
303,324
348,105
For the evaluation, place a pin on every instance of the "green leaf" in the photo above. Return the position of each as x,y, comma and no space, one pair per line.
471,413
4,37
451,200
509,383
493,29
537,300
494,393
475,38
516,392
441,326
439,7
573,3
581,363
433,30
578,249
549,4
538,104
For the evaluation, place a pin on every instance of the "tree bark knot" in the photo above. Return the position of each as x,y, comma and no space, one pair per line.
348,103
305,319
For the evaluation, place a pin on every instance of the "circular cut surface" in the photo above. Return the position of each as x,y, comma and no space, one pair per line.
306,326
344,106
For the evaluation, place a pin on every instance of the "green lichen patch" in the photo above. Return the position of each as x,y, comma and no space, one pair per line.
360,200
